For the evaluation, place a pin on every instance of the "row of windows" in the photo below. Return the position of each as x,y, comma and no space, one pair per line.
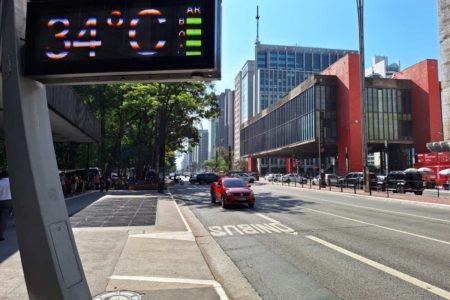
389,118
293,122
298,60
389,114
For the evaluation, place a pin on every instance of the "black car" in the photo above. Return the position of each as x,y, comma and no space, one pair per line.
403,182
204,178
352,179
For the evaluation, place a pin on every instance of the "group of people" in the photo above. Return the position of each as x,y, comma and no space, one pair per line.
101,183
5,202
72,184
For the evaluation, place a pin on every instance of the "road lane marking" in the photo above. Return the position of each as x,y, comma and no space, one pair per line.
251,229
383,210
414,281
379,226
217,286
267,218
188,228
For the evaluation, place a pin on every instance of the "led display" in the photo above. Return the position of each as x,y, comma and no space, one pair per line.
117,40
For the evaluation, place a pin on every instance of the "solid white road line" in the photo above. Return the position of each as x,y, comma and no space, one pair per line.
217,286
379,226
188,228
421,284
267,218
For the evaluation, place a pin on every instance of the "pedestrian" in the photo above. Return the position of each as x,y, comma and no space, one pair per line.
5,202
68,185
97,181
102,184
62,180
107,184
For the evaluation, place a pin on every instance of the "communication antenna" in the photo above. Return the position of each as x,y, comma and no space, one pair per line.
257,24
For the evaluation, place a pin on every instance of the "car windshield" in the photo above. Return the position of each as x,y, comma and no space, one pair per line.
233,183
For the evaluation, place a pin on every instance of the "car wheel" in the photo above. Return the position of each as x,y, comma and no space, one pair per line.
251,181
213,198
400,189
223,203
251,205
418,193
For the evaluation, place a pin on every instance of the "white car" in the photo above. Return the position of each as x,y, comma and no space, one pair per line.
270,177
247,178
331,178
294,178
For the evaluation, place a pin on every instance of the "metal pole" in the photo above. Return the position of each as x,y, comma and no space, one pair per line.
50,260
360,5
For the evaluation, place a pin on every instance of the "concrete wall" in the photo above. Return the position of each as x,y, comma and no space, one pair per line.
444,25
426,103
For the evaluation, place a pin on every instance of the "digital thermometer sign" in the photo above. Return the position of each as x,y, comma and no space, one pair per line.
122,40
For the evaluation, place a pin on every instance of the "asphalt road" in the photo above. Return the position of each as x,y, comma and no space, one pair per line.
301,244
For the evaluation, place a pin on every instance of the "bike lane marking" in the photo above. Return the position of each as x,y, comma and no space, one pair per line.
274,227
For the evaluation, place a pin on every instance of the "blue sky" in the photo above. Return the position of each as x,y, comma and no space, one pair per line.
405,30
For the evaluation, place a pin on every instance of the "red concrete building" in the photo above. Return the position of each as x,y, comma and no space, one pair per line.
320,120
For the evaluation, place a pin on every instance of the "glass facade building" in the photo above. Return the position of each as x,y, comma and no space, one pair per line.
306,120
280,68
295,119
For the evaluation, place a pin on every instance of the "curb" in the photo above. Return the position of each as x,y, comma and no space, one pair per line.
221,266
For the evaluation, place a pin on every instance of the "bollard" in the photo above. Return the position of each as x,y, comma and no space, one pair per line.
354,187
329,184
295,182
387,192
310,183
342,186
370,188
438,190
302,182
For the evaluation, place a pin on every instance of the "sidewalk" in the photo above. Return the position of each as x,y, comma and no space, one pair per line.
130,241
429,196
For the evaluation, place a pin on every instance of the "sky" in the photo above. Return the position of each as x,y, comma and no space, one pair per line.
405,30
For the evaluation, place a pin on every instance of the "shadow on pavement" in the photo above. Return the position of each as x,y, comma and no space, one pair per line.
10,245
199,196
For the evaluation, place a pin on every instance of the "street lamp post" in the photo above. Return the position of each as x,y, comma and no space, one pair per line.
360,6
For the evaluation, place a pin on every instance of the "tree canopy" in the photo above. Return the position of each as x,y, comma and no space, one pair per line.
131,120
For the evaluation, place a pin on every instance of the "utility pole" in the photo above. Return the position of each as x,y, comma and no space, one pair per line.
51,264
360,6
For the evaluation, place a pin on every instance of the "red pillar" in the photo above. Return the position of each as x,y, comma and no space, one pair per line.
289,166
252,164
348,112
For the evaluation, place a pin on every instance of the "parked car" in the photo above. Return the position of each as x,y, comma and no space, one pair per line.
230,191
203,178
270,177
294,178
254,174
401,182
246,177
352,179
331,179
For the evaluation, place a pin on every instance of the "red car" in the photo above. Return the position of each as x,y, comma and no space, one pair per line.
232,191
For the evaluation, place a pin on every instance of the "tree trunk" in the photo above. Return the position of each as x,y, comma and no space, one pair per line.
162,149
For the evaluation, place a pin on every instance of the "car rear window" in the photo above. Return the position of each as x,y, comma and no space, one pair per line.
233,183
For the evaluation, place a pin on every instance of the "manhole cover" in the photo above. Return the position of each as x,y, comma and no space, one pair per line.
120,295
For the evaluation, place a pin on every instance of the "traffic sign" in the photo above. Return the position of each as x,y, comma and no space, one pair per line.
123,40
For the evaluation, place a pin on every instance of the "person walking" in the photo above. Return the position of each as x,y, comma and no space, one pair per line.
102,184
5,202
